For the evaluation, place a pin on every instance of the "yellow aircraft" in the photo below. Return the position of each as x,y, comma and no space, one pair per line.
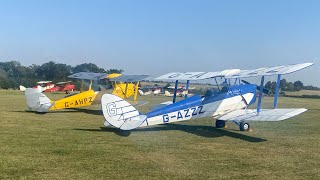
124,86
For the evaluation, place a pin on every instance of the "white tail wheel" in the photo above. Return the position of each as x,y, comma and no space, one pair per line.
119,113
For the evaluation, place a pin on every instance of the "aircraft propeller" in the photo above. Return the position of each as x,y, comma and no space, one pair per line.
264,90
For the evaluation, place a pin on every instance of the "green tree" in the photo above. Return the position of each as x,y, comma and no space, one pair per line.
88,67
268,85
290,86
283,84
117,71
53,71
298,85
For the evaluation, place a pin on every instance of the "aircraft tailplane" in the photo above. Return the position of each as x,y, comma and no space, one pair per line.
37,101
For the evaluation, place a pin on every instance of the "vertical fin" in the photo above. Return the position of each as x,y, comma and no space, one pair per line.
37,101
119,113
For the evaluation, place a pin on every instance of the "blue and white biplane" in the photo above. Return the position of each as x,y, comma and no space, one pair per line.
230,104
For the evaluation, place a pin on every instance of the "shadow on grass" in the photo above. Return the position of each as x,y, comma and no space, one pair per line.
313,109
199,130
107,129
71,110
204,131
88,111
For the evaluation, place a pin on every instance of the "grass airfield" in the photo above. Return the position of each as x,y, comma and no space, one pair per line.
70,144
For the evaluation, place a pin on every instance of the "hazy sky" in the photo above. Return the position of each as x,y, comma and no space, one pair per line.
156,37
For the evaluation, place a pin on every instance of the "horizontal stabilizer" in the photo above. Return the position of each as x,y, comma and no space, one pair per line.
264,115
133,122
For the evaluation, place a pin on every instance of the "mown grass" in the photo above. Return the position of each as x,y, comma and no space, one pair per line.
70,144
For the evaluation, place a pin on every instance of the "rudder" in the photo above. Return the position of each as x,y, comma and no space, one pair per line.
119,113
37,101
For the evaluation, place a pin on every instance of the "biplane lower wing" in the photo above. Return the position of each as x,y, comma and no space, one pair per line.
263,115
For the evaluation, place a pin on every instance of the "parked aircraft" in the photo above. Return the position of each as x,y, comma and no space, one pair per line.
48,86
226,104
124,86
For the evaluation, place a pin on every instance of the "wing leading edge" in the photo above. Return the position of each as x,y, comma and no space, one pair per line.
263,115
235,73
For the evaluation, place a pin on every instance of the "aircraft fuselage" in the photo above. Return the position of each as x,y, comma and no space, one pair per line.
214,104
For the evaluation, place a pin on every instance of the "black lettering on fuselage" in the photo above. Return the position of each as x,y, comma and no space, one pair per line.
80,101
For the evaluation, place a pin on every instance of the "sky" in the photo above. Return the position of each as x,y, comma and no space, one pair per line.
156,37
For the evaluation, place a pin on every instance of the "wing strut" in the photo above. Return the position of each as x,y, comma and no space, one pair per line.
81,88
125,91
175,92
276,95
136,91
187,89
217,83
260,94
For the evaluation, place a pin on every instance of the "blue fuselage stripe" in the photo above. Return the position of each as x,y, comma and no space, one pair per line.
196,100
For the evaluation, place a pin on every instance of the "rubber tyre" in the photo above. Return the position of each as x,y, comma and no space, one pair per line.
220,124
244,126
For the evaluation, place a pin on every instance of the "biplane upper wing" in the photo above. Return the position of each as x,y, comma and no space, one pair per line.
235,73
129,78
88,75
263,115
196,75
276,70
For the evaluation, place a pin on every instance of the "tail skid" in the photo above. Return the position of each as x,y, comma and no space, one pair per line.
119,113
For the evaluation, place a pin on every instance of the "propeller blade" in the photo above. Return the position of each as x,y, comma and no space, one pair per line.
246,82
264,90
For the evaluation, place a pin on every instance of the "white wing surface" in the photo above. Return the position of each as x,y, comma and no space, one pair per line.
197,75
264,115
235,73
270,71
120,113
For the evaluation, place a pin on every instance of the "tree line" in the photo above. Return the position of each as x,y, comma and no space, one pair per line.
288,86
13,74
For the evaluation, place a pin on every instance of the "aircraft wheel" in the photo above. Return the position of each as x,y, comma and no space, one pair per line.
220,124
124,133
244,126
